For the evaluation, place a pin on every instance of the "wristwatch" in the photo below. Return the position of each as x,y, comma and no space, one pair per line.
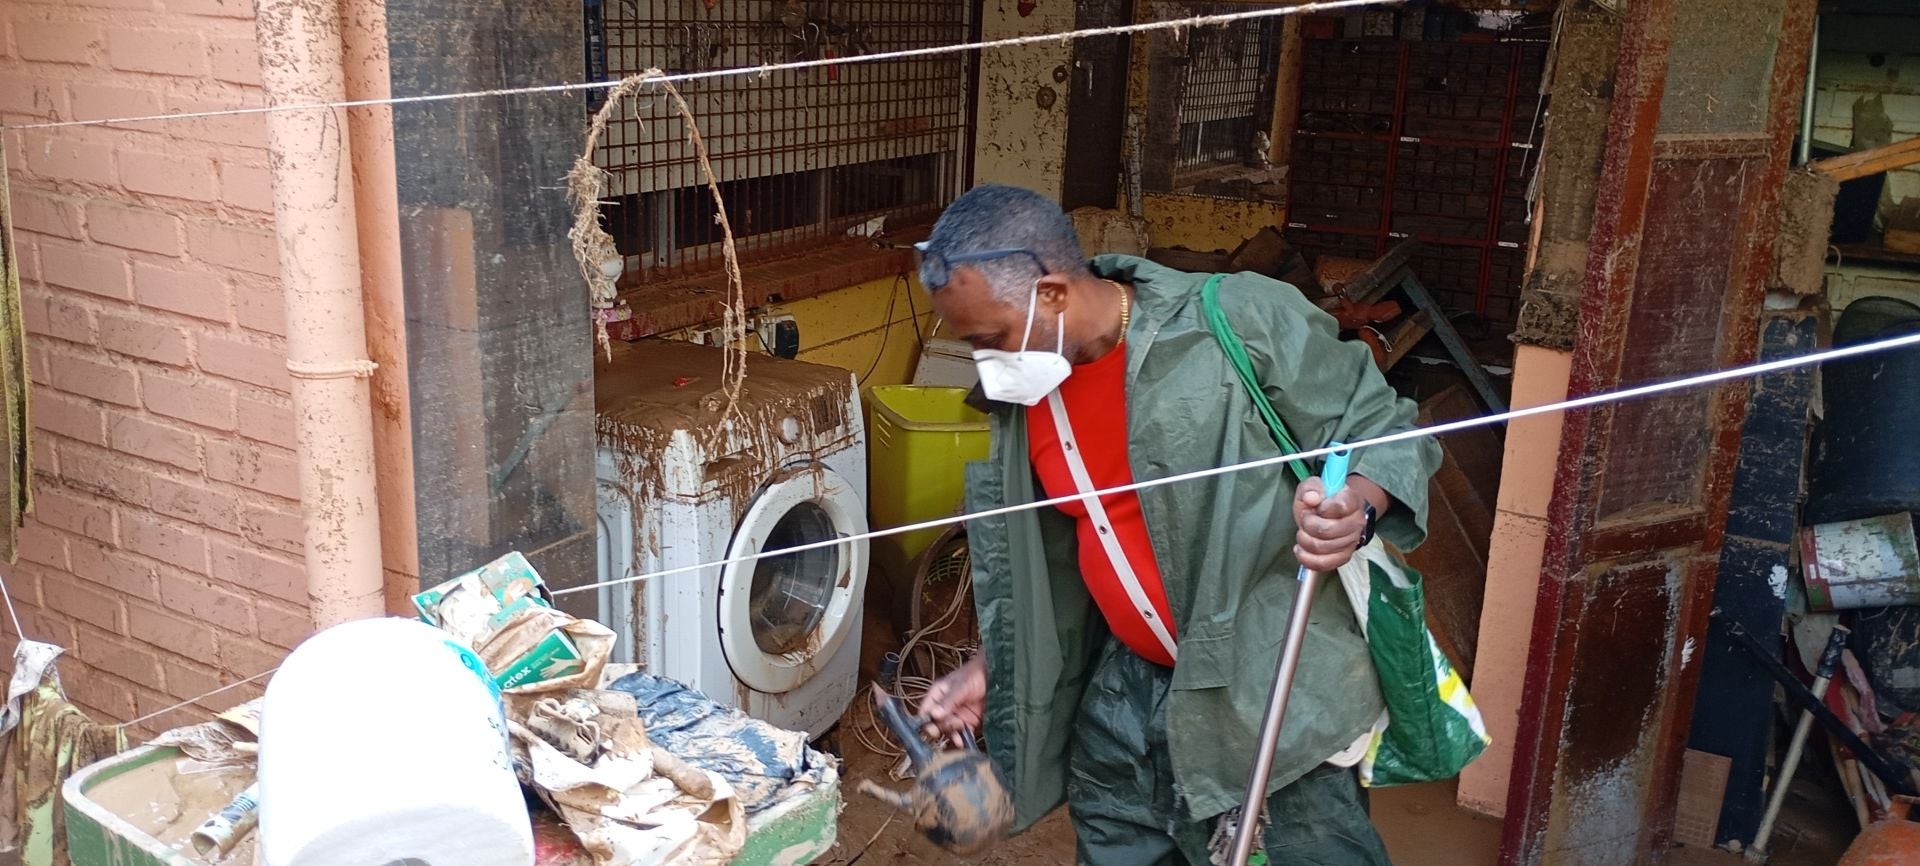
1366,534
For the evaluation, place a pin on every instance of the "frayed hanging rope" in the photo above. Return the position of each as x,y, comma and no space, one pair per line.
593,247
586,186
733,370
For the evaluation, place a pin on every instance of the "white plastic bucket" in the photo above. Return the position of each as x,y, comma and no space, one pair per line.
382,742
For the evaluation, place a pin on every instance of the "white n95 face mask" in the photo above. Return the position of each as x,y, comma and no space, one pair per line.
1025,377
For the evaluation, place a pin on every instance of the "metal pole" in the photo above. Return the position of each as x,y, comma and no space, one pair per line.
1829,662
1334,475
1249,828
313,205
1806,102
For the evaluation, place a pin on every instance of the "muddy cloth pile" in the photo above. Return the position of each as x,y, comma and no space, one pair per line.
584,751
765,765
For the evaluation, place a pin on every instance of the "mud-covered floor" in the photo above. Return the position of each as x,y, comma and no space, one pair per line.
1422,824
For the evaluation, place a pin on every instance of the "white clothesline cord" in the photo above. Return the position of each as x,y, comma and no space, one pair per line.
761,70
7,593
183,704
1588,401
1402,436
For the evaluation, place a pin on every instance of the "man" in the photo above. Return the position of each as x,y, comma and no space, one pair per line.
1129,641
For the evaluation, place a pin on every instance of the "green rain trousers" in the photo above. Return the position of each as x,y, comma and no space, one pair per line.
1124,804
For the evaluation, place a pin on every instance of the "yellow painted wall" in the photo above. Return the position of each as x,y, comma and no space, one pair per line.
1019,142
867,328
854,328
1206,223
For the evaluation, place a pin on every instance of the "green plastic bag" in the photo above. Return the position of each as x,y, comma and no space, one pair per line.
1430,729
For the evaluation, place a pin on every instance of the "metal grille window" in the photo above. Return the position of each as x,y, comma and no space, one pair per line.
1227,97
800,155
1217,86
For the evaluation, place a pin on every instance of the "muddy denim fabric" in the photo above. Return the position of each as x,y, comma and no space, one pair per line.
1125,806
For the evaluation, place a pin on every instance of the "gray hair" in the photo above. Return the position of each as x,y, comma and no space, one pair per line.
995,216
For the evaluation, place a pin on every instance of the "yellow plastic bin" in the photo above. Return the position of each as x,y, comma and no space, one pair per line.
922,439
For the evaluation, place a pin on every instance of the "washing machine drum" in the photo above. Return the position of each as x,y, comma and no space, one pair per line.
783,617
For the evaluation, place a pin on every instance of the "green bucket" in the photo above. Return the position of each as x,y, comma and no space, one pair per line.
793,833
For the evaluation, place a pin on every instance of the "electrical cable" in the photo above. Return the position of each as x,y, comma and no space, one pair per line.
886,329
913,681
913,309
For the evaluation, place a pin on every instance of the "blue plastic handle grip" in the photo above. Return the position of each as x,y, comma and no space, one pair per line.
1333,473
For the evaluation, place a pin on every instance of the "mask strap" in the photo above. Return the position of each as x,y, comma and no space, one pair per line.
1060,334
1033,300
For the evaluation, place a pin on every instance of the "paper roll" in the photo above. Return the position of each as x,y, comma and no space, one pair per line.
384,741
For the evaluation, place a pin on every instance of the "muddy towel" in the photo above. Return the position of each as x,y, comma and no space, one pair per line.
16,454
765,765
46,740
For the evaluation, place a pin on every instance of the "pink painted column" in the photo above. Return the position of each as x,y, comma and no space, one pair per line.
1513,571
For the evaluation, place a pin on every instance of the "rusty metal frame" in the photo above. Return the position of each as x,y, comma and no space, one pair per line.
803,155
1574,541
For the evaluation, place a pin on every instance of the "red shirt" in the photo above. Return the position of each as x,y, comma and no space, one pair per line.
1095,400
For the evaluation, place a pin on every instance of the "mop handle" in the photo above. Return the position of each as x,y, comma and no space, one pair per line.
1333,474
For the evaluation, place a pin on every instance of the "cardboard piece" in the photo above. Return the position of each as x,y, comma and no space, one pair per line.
504,611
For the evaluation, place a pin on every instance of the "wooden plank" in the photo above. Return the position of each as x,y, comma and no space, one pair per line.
1676,270
1264,252
1405,336
1459,527
1380,277
1457,347
1862,163
1188,260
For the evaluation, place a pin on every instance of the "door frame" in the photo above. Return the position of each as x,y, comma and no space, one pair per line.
1577,549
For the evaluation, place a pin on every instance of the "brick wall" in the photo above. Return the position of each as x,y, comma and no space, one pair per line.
165,549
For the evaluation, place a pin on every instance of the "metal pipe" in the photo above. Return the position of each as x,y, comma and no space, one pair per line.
1805,153
301,61
1823,677
383,290
1897,774
1333,475
1249,828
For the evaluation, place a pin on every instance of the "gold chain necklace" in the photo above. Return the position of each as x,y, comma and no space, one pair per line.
1126,308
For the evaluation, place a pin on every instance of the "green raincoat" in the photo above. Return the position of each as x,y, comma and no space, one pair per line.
1223,544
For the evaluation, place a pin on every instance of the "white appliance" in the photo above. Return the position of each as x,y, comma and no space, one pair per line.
679,487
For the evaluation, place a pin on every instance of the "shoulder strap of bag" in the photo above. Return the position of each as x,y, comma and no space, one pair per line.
1236,352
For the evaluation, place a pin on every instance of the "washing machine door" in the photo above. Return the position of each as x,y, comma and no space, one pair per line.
783,617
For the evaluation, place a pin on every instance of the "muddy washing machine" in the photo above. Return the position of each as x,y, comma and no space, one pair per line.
682,483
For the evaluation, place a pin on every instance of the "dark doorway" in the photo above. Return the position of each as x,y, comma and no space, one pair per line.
1096,107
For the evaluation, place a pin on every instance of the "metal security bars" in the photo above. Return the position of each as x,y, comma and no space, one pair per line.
1227,96
800,155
